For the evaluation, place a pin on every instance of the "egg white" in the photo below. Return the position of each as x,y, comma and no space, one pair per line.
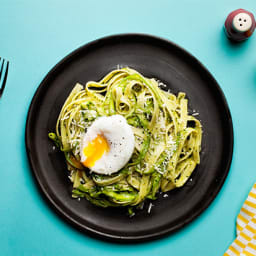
121,141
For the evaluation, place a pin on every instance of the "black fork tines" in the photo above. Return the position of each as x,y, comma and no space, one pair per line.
4,73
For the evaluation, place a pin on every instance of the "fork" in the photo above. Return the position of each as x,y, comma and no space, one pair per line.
3,72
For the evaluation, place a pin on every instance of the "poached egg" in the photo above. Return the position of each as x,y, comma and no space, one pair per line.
107,145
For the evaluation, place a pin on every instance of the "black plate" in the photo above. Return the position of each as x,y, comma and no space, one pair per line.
153,57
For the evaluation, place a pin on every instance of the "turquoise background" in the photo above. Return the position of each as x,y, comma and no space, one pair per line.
35,35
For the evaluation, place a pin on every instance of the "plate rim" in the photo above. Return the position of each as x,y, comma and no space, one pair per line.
94,232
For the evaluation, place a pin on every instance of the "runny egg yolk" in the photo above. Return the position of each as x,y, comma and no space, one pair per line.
95,150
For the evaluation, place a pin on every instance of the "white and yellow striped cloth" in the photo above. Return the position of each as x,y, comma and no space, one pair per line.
245,243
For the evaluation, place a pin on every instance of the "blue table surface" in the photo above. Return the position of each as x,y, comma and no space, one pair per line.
35,35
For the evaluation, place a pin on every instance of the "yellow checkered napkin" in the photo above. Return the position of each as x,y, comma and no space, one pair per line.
245,243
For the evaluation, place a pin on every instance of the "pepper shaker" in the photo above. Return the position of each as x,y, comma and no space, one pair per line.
239,25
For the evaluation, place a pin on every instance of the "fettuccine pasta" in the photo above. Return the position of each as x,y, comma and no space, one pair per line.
167,138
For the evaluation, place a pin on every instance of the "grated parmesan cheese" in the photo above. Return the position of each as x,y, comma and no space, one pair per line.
76,124
161,84
64,118
150,207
